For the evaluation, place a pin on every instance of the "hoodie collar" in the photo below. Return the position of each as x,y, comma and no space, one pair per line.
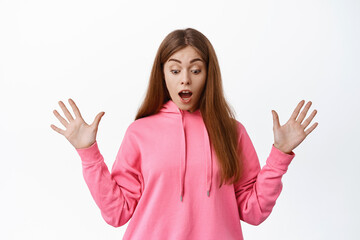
172,108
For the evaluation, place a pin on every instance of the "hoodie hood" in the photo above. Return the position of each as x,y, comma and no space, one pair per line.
171,108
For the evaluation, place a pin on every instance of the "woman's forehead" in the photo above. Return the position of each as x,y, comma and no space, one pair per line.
186,55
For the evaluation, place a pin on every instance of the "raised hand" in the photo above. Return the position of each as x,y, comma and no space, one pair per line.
287,137
78,132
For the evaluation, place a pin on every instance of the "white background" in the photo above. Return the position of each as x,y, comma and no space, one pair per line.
272,55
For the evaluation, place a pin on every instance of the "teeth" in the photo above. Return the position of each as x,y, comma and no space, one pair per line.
185,91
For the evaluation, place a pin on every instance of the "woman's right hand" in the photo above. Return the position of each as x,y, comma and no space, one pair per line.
78,132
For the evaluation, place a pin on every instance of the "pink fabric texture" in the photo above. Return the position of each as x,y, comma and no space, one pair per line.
165,178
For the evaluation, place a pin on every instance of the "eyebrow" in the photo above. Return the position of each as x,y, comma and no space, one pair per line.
194,60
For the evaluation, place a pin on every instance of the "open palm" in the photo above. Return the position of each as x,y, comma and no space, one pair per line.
288,136
78,132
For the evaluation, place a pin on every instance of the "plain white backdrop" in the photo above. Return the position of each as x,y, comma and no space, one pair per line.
272,55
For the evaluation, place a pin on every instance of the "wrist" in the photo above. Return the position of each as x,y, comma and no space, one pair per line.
282,148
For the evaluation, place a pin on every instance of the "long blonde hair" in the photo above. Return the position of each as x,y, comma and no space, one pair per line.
217,115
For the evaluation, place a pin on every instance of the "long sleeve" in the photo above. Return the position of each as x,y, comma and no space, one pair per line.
118,193
258,189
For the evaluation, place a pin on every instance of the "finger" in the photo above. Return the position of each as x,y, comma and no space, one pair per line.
61,119
297,109
75,108
57,129
308,131
304,112
309,119
66,111
97,119
275,119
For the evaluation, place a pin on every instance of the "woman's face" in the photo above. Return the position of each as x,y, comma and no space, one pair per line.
185,70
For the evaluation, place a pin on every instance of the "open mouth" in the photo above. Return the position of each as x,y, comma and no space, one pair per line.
185,95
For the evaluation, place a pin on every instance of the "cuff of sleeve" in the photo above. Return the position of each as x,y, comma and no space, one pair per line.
279,159
90,155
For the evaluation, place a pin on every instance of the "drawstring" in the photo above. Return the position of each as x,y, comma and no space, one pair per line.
208,157
182,156
208,162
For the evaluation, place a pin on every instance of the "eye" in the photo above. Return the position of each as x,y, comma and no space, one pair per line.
175,71
197,71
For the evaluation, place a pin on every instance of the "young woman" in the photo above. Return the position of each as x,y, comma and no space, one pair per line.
186,168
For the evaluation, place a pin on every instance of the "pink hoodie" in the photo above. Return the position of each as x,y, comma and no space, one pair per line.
166,177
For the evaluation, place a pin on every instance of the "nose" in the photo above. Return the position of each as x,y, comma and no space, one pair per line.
185,79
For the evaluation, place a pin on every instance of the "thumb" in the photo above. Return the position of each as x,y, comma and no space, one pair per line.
275,119
97,119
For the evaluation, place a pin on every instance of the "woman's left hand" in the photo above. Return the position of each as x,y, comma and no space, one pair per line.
287,137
